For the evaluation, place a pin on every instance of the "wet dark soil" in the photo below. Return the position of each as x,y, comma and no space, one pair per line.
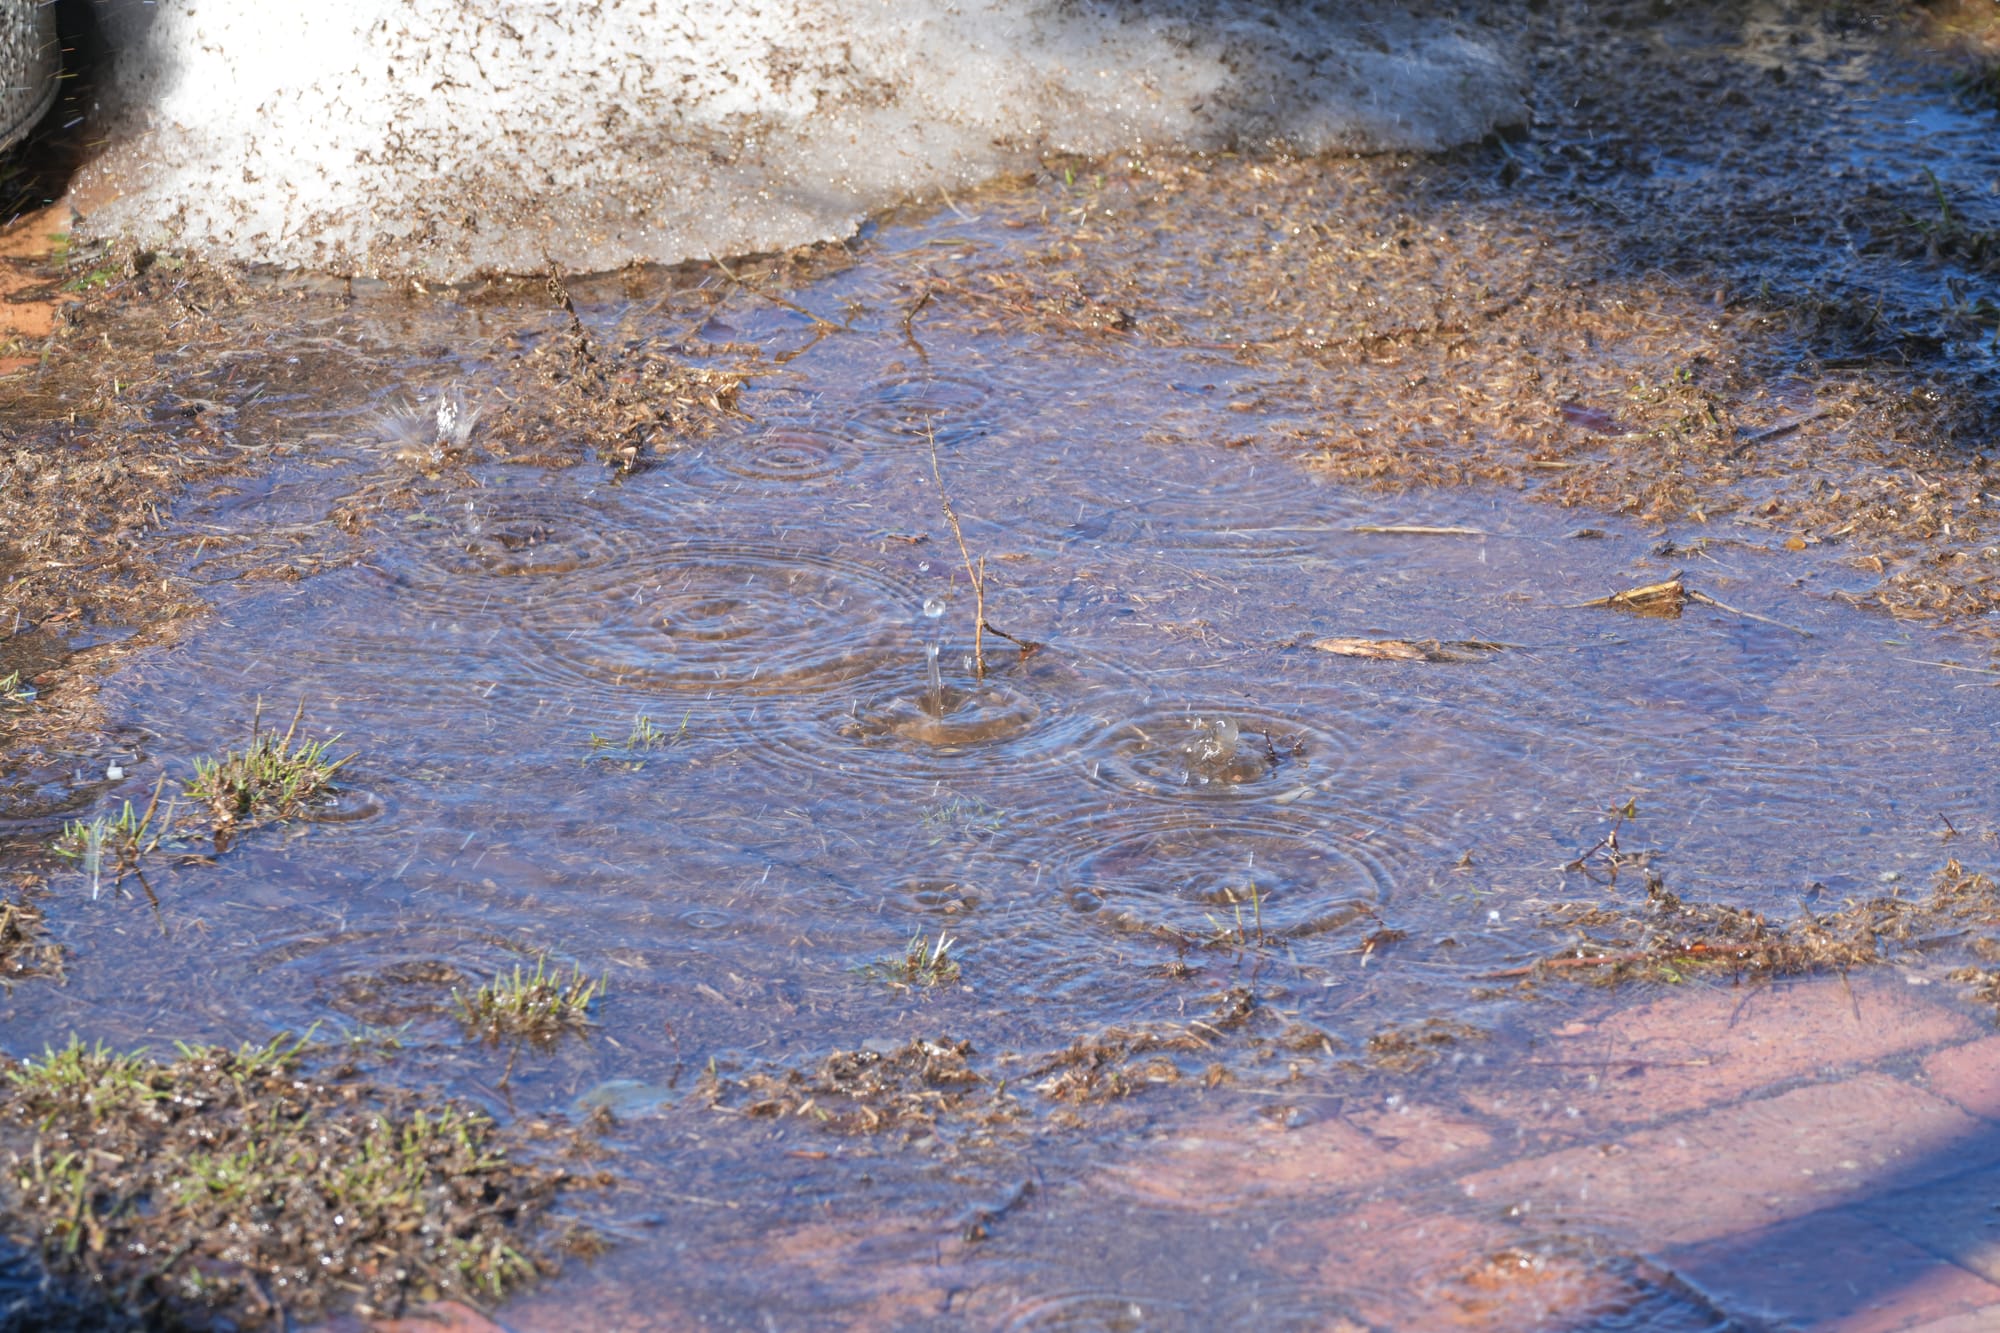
625,592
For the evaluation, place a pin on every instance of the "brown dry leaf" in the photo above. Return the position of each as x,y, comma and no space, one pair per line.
1408,650
1654,599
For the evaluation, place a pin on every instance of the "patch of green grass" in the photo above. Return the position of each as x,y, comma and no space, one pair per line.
14,691
644,738
924,965
538,1005
95,1078
186,1192
273,778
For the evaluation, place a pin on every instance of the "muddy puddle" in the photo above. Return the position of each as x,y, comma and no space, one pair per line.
1191,965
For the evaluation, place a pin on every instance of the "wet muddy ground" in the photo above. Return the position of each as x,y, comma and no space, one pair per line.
1237,947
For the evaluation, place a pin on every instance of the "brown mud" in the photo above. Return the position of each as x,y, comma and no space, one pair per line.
1177,969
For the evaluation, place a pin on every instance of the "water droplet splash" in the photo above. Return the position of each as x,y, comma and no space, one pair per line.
1213,748
934,703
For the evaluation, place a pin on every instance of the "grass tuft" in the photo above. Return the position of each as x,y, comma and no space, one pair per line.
13,690
271,779
95,1079
924,965
644,738
538,1005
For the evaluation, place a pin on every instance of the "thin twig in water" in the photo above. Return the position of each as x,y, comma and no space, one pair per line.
916,308
797,309
1706,600
1416,530
978,577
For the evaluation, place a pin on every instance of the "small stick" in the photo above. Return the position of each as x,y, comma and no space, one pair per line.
775,299
1416,530
978,577
1950,666
1028,647
1706,600
1774,433
915,309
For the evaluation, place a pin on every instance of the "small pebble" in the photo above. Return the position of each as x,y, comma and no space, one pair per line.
1891,876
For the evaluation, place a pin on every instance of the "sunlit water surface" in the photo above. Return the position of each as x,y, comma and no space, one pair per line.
1173,794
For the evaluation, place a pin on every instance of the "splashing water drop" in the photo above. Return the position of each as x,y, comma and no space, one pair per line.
935,703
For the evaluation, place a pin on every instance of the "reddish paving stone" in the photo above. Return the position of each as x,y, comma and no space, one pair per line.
1969,1075
1835,1272
1744,1167
1400,1267
1702,1048
1229,1160
1975,1321
27,309
437,1317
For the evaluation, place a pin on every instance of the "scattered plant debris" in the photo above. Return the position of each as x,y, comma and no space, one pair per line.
1102,1067
24,951
1984,983
1414,1047
628,402
868,1092
1606,854
1668,939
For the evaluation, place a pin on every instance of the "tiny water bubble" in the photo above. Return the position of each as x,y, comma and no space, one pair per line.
923,567
933,607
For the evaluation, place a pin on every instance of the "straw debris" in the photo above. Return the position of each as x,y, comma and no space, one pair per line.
909,1088
1668,939
1410,650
